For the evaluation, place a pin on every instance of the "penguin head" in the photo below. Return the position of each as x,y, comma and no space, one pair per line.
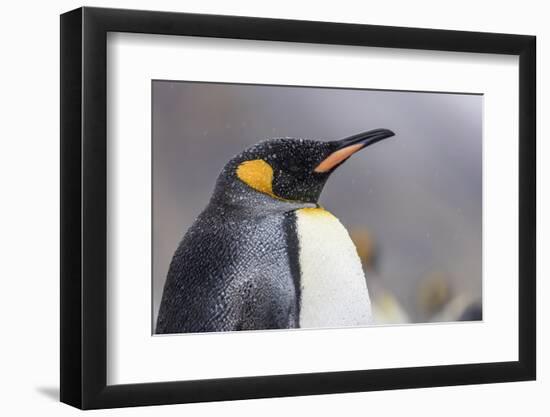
291,170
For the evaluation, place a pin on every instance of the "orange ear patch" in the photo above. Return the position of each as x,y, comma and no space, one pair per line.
336,157
258,175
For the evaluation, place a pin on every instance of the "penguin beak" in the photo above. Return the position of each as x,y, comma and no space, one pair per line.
348,146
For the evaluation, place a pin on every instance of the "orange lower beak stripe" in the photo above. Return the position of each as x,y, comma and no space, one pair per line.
337,157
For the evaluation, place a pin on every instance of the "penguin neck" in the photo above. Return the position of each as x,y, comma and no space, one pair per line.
239,197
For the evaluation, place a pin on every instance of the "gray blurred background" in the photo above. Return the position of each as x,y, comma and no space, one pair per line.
413,203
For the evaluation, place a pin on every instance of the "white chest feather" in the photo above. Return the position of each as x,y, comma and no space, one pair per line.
333,288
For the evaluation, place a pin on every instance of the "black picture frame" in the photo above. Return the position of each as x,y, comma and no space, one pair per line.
84,207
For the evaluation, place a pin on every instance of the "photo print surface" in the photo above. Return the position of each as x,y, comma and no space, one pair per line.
286,207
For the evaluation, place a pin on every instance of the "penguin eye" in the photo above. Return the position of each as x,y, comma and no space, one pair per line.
294,168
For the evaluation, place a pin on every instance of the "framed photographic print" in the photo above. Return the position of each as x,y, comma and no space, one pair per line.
257,208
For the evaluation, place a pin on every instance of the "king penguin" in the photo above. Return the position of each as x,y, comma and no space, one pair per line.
263,254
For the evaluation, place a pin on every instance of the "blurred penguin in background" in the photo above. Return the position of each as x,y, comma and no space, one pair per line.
386,309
